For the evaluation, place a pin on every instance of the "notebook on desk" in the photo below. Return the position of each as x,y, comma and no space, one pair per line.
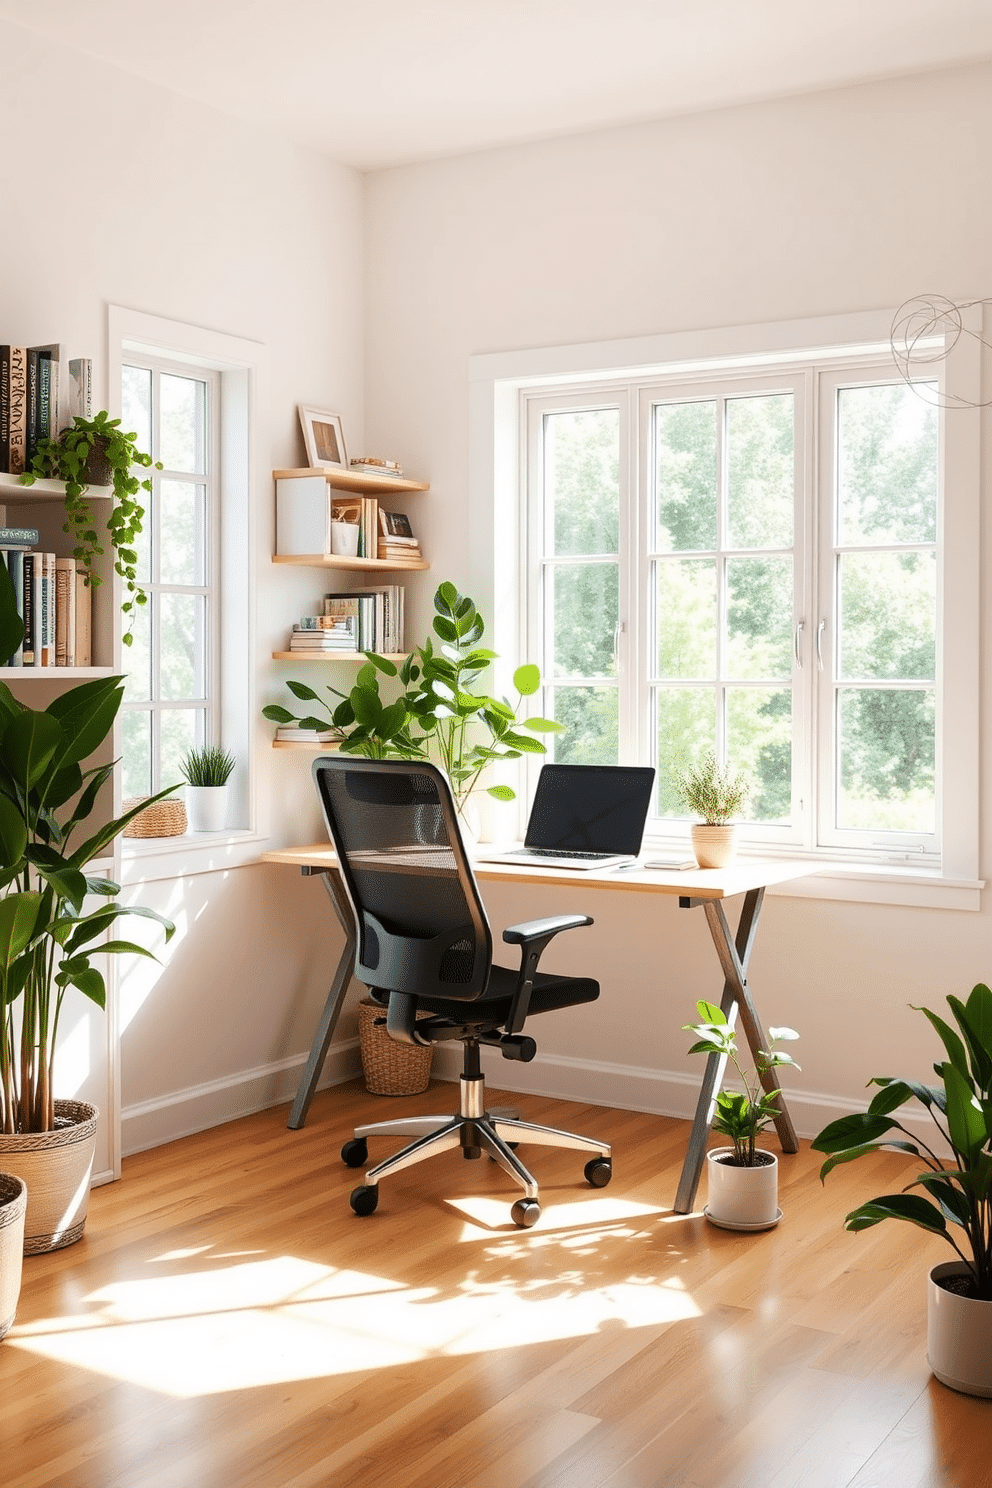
583,816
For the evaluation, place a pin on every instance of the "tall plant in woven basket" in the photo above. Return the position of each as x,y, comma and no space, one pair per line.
55,915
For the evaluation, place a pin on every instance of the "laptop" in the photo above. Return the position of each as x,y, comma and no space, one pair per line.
583,816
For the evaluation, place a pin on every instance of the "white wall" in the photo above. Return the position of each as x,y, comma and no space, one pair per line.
845,201
117,192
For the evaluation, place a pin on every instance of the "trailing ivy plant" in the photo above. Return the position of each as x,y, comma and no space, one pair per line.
439,715
74,457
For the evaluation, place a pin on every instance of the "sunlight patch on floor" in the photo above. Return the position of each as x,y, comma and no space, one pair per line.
235,1327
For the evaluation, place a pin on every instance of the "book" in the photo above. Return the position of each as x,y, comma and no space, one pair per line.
289,732
14,558
49,357
18,537
377,466
65,612
47,626
31,435
14,399
84,619
29,613
80,388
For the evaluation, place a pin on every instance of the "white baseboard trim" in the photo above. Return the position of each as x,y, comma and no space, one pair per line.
183,1112
589,1082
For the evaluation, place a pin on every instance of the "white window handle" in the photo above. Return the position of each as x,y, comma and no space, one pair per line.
819,648
798,645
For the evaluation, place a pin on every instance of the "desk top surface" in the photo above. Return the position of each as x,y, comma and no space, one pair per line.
693,883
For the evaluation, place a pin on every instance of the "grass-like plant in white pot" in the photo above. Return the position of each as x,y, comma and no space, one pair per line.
742,1178
207,770
954,1198
717,793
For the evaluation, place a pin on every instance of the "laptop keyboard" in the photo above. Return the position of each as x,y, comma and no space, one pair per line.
560,852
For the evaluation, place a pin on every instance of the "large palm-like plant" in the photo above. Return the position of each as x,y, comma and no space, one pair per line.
54,915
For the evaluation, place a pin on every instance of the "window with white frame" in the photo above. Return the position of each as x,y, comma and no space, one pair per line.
750,560
170,701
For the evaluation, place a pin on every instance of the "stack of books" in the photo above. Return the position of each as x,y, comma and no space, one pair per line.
375,466
52,599
291,733
31,396
376,614
396,541
325,633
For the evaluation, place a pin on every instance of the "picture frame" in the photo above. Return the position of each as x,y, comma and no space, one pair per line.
324,439
396,525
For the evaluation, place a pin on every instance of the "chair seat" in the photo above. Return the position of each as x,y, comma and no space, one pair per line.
493,1007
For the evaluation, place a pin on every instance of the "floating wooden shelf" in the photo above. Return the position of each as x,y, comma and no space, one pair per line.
54,673
302,744
347,480
358,565
316,655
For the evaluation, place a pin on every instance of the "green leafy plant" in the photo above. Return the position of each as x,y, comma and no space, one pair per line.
715,792
956,1198
741,1115
97,451
48,927
208,765
438,715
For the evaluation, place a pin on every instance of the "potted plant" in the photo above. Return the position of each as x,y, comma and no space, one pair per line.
955,1201
439,715
98,452
13,1204
206,771
716,793
54,917
743,1178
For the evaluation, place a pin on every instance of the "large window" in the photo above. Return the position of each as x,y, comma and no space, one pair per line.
170,697
750,561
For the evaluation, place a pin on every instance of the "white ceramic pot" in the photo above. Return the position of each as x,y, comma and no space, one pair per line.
344,539
741,1198
206,807
714,847
13,1203
959,1330
57,1167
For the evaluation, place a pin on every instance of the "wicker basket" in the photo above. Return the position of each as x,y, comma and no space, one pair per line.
57,1167
163,819
390,1068
13,1202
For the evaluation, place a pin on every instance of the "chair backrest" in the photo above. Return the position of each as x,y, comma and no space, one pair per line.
422,928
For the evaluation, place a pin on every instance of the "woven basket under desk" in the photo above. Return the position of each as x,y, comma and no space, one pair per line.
390,1068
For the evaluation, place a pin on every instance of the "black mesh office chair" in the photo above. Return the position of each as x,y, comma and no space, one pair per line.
424,943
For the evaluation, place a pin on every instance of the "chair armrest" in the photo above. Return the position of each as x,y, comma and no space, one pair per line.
543,929
533,936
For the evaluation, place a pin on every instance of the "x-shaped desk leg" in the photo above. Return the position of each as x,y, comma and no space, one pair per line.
734,956
335,998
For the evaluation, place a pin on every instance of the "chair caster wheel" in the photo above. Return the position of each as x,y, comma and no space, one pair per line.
355,1153
525,1212
364,1199
599,1172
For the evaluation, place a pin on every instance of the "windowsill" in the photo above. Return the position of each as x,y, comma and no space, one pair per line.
144,859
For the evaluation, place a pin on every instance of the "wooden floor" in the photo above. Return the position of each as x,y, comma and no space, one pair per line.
226,1322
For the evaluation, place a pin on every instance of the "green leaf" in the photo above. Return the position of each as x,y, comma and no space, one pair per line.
852,1153
30,742
13,833
527,679
909,1207
11,624
445,599
501,793
303,692
543,725
852,1131
381,663
950,1040
525,745
86,714
275,714
367,706
965,1118
18,917
445,628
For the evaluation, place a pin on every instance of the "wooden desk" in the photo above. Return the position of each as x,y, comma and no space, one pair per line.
694,888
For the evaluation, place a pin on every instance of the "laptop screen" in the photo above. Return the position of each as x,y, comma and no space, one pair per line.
590,808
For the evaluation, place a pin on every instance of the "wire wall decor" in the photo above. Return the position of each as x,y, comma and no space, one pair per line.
915,326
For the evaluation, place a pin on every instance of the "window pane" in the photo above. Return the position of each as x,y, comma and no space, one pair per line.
685,442
182,435
181,636
136,404
760,471
589,715
686,617
136,738
182,557
887,466
886,752
686,720
583,601
182,728
138,657
759,740
888,615
759,617
582,480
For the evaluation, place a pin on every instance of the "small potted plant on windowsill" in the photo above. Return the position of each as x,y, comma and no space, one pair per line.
98,452
206,771
955,1201
717,793
742,1178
